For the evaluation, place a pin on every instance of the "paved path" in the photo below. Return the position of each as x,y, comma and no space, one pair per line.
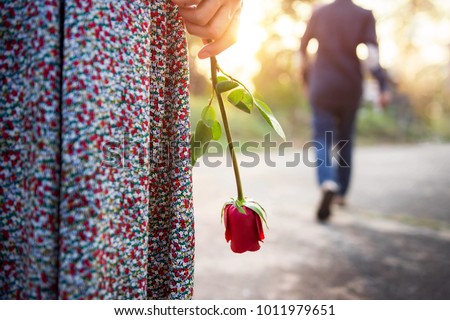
391,242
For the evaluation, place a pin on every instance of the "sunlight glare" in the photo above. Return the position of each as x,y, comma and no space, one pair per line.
240,60
429,37
313,46
362,51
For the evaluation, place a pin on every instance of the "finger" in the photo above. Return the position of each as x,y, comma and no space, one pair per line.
227,40
202,14
186,3
215,29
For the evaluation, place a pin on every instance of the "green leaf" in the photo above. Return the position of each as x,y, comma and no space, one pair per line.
200,140
222,78
203,133
270,118
209,116
240,208
241,99
216,131
209,119
258,209
196,150
225,86
256,205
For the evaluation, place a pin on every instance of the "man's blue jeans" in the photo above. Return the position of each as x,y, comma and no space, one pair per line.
333,133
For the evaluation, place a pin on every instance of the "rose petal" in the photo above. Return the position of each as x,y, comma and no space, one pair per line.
243,229
260,227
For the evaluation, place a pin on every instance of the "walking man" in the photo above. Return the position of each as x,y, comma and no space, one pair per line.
334,83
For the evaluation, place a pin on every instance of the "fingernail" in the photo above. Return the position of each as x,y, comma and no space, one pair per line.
203,54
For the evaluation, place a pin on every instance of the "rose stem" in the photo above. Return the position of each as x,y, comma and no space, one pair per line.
227,129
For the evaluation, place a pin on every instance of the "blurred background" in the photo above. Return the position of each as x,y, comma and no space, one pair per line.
414,43
392,240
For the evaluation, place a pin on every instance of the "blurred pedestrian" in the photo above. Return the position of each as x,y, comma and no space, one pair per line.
334,82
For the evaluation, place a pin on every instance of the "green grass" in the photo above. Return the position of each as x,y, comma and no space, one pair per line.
373,126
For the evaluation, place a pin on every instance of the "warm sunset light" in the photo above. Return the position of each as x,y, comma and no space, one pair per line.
235,158
429,35
414,49
240,59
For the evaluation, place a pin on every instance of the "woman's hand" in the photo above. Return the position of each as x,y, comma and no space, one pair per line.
215,20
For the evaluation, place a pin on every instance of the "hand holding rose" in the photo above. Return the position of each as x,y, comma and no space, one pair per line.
216,20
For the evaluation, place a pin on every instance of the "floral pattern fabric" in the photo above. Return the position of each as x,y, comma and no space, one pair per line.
95,175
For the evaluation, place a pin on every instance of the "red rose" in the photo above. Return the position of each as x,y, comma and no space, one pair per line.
245,230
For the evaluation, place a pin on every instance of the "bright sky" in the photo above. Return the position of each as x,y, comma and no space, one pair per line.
432,39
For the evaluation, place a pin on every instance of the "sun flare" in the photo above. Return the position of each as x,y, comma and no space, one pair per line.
240,60
429,36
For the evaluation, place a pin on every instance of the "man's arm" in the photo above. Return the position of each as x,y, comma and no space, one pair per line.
379,74
373,61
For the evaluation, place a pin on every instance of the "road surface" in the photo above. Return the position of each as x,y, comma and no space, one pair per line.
391,242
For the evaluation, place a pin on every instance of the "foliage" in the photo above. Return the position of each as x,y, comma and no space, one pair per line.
238,95
420,110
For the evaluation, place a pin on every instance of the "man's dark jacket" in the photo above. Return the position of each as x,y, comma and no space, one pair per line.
335,78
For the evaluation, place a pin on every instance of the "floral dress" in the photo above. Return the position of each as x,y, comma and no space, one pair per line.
95,176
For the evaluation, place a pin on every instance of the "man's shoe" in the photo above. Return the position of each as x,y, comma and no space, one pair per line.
324,212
